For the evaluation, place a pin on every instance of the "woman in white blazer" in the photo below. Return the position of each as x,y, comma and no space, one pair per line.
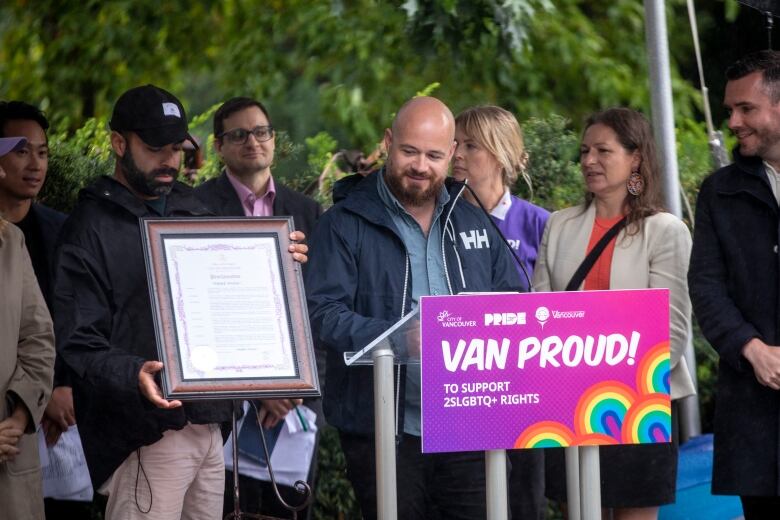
620,169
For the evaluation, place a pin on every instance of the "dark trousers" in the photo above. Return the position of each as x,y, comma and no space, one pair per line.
66,509
257,496
526,485
761,508
435,486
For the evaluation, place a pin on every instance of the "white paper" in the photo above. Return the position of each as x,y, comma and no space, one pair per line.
65,473
229,305
292,454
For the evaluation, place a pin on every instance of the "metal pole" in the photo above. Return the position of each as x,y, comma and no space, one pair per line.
384,425
590,482
496,477
661,99
663,127
572,455
690,416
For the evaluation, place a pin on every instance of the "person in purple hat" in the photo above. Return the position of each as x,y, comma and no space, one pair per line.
154,458
26,170
26,369
10,144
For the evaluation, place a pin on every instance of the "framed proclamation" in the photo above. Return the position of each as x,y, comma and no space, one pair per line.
229,308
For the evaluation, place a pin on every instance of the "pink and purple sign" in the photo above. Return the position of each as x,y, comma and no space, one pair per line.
542,370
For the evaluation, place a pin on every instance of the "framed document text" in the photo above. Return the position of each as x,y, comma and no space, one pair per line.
229,308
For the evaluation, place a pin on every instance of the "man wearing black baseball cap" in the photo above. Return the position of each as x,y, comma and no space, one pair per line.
153,458
154,120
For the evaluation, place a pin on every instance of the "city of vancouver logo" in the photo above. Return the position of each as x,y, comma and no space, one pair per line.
449,320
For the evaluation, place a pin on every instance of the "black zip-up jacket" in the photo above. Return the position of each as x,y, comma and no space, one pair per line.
104,325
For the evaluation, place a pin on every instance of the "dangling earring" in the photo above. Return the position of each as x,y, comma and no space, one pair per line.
635,184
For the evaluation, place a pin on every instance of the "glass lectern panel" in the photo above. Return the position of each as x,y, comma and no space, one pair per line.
403,338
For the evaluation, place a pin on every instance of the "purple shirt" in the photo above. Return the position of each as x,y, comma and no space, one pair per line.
522,223
253,205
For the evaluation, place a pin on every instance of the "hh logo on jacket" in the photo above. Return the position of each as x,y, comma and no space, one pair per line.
476,239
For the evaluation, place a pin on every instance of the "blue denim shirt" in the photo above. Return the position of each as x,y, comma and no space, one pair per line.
428,278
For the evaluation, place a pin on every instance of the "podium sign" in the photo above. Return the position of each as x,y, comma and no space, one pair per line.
541,370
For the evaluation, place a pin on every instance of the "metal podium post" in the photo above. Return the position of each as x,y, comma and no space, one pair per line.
384,427
590,483
572,454
583,483
495,479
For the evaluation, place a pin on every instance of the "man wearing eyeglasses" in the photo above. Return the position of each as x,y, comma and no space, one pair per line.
244,140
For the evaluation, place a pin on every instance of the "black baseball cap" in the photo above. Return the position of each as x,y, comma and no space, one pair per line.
154,114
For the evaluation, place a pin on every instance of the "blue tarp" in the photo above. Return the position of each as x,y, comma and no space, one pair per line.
694,478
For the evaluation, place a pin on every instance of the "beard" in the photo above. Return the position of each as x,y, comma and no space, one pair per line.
768,139
411,195
143,182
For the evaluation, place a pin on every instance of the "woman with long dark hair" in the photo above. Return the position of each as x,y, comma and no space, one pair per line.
651,249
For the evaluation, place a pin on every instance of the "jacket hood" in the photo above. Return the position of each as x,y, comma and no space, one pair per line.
344,186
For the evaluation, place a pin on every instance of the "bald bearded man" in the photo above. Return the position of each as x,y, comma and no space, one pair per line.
396,235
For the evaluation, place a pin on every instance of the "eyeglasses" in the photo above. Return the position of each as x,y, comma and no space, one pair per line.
240,135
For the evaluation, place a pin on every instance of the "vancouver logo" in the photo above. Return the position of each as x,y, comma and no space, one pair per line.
542,315
448,320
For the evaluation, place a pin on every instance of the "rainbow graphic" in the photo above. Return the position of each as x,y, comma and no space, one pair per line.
602,407
653,372
594,439
545,434
649,420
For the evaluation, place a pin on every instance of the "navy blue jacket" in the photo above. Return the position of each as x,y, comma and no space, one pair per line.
358,284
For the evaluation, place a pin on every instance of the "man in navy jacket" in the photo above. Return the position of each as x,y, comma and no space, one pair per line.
399,234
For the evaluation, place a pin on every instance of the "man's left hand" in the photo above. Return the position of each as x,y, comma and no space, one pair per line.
297,249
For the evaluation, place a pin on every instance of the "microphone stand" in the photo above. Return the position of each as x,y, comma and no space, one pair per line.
301,487
495,226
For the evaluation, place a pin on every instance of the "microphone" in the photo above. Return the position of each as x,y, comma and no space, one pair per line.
450,181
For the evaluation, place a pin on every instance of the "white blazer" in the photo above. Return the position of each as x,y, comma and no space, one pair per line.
656,257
